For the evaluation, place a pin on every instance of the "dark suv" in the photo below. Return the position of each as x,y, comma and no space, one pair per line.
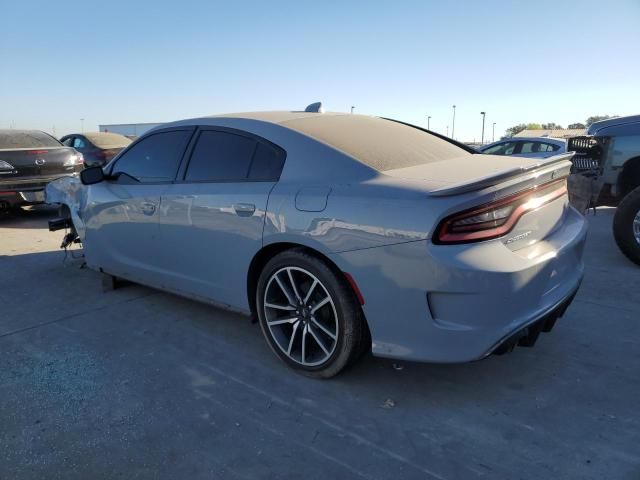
606,171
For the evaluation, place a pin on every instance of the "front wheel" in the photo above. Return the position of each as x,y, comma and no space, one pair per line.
308,314
626,226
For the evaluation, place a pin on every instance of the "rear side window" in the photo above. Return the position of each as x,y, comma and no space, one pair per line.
154,158
227,157
552,147
26,139
267,163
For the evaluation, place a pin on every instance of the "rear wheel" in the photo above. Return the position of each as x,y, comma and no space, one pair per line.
626,226
308,314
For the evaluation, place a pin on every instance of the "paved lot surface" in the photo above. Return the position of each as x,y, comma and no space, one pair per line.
135,383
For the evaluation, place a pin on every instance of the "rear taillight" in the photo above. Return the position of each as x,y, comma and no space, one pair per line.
73,160
497,218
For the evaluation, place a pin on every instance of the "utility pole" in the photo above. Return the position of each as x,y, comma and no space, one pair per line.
482,138
493,133
82,125
453,124
447,130
429,122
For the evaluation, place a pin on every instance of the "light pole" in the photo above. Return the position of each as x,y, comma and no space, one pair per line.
82,125
482,137
429,122
493,133
352,108
453,124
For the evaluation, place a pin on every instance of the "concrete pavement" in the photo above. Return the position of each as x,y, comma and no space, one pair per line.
135,383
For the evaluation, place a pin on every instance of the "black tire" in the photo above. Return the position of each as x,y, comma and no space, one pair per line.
623,220
351,328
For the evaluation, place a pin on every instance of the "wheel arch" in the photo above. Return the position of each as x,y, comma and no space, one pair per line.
629,177
267,252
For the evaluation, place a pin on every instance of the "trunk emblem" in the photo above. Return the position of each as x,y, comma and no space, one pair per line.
517,237
40,161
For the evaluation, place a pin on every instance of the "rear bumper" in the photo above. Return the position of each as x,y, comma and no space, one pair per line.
27,191
527,335
459,303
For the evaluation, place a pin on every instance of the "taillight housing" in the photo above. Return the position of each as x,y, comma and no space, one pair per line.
73,160
497,218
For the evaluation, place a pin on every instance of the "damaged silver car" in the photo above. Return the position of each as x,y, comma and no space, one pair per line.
340,233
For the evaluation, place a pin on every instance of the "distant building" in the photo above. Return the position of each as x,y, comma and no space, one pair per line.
128,129
554,133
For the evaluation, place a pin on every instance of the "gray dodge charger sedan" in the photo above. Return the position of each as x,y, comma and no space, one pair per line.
340,233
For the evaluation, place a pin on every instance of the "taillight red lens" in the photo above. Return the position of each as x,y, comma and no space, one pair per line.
497,218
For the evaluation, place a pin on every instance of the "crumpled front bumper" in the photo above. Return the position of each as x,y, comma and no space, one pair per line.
71,192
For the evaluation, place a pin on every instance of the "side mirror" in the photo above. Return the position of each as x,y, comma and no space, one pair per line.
92,175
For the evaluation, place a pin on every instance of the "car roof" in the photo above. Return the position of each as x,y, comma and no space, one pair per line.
612,122
377,142
279,116
525,139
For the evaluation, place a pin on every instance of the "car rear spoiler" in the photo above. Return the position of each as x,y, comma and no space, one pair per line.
494,179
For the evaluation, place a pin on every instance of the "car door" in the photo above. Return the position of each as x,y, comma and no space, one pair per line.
121,216
211,220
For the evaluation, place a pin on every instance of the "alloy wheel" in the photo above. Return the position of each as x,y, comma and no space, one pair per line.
301,316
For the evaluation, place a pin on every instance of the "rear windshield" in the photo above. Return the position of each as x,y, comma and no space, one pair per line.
26,139
378,143
108,140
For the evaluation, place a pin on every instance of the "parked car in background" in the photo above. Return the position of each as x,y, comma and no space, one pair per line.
29,160
342,233
606,171
96,147
533,147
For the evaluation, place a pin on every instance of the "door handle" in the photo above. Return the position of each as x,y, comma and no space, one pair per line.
148,208
244,209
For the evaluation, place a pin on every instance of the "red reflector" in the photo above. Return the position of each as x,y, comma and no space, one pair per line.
37,152
354,287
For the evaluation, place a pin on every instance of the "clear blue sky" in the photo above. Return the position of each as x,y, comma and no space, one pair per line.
135,61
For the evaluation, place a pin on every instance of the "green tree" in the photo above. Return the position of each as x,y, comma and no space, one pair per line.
577,125
551,126
597,118
516,129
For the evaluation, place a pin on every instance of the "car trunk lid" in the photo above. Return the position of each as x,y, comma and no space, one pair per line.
475,172
38,162
476,181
